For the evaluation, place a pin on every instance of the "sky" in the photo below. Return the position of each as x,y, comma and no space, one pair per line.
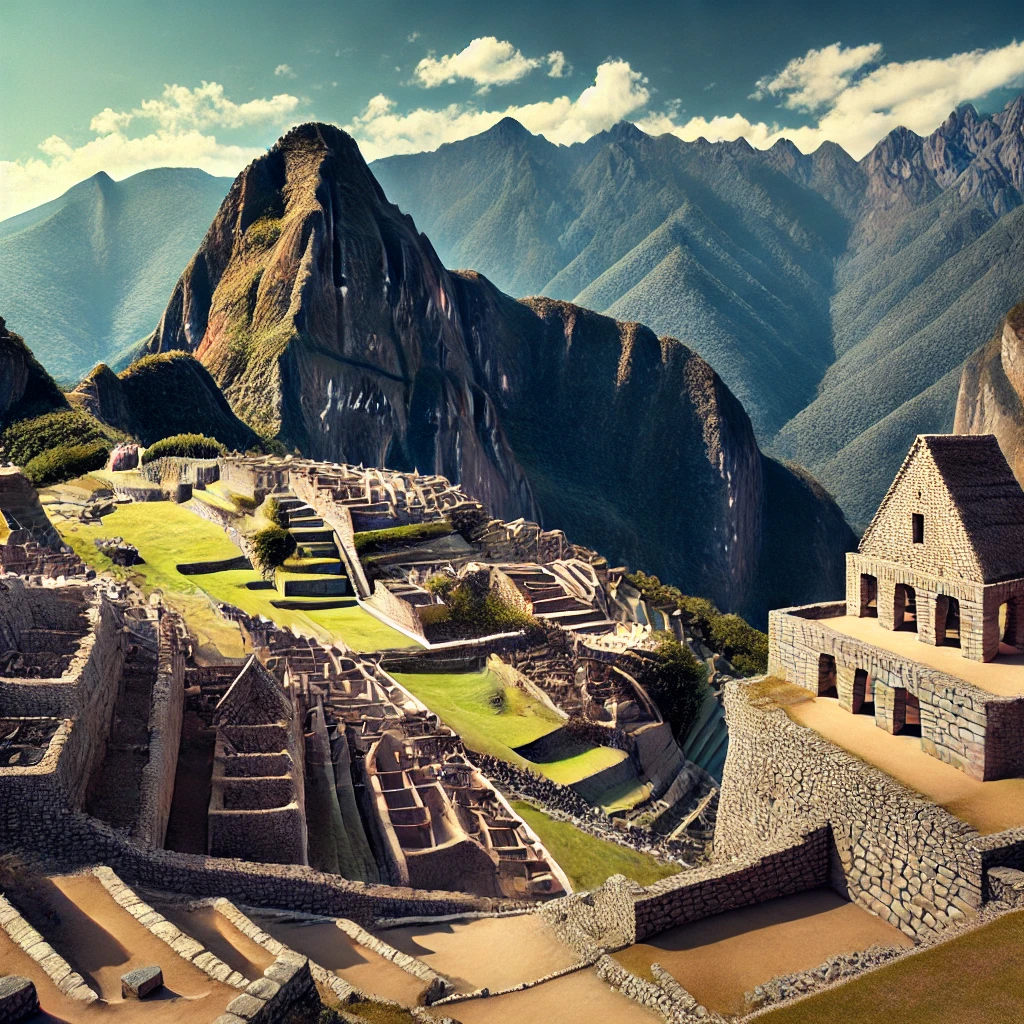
124,86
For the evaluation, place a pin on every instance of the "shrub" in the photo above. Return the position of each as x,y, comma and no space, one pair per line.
184,446
676,682
66,462
277,515
469,609
244,502
271,546
25,440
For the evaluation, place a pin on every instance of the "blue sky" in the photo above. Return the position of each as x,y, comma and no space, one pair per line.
129,85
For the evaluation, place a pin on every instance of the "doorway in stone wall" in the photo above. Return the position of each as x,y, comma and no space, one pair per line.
906,719
905,610
863,694
947,621
1009,612
827,676
868,596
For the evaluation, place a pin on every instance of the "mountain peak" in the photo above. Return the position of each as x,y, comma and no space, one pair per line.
624,131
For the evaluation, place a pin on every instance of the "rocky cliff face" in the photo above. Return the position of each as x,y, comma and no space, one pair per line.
26,389
329,321
991,396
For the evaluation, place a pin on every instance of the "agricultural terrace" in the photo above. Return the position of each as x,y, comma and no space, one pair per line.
167,535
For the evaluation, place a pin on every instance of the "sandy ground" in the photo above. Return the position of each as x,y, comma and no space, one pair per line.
494,953
988,806
101,941
578,998
720,958
1004,676
221,938
333,950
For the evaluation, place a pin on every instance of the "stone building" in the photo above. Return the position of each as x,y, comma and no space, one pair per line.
930,638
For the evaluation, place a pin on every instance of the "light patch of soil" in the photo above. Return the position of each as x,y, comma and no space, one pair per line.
578,998
494,952
987,806
221,938
101,941
718,959
327,945
1004,676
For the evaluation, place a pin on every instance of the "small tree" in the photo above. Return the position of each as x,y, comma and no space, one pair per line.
275,513
271,546
184,446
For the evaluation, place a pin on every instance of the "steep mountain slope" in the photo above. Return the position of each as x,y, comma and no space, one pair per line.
329,321
159,396
87,275
991,395
837,299
26,389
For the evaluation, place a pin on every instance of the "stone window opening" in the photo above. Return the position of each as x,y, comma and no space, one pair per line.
863,693
906,719
868,596
905,610
1009,625
827,676
917,524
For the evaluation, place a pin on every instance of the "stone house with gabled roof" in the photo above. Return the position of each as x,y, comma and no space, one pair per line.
944,554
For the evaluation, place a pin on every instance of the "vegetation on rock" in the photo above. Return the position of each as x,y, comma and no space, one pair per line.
400,536
676,681
67,461
184,446
469,608
271,546
273,512
28,439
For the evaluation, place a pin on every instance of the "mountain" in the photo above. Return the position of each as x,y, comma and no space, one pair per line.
329,321
87,275
26,389
159,396
837,298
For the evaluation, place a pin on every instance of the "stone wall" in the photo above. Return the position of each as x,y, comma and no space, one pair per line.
974,730
893,852
394,608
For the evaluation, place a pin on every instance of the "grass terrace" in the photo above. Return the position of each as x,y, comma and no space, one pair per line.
588,861
987,963
493,718
167,535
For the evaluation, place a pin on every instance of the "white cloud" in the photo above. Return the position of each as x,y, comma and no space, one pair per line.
181,119
486,61
816,79
857,102
284,71
558,66
412,37
618,92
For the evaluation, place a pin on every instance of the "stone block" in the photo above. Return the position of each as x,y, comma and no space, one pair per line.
141,982
246,1006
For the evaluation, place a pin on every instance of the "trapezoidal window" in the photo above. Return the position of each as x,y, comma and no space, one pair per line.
863,694
917,527
827,676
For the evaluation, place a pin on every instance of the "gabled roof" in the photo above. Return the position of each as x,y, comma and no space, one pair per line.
984,492
254,698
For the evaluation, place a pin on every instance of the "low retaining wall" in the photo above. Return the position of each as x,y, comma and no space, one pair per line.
895,853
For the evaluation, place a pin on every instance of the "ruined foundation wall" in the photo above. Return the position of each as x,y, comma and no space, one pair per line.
896,854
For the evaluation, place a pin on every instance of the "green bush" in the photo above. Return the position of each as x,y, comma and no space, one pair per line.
184,446
271,546
66,462
469,609
731,636
277,515
398,536
244,502
677,682
27,439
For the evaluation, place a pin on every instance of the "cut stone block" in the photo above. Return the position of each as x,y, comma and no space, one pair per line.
141,982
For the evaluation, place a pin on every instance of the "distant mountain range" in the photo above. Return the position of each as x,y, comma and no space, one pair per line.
86,276
329,322
837,299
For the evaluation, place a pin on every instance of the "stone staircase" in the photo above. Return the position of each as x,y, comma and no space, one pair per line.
323,582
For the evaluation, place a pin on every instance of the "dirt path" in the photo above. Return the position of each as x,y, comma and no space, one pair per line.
221,938
101,941
579,998
332,949
988,806
720,958
492,953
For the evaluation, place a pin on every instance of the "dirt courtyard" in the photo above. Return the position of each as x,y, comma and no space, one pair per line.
720,958
494,952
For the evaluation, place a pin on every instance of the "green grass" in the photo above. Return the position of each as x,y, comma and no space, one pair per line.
376,540
589,861
493,718
975,979
167,534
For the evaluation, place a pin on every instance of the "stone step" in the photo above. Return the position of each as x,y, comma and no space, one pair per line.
332,586
319,536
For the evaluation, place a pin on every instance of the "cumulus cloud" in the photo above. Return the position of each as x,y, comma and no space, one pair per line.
856,99
284,71
558,66
178,136
486,61
617,92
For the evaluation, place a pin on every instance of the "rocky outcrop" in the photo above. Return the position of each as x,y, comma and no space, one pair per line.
26,389
991,397
329,321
